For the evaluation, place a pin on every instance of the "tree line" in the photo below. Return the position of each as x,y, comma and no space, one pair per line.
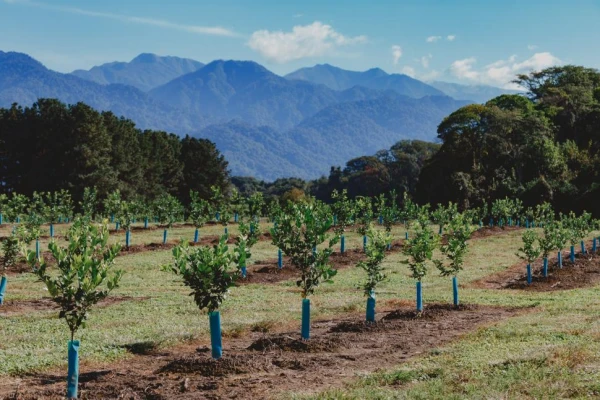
51,146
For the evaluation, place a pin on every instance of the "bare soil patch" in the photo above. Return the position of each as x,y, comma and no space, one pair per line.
585,272
487,231
265,365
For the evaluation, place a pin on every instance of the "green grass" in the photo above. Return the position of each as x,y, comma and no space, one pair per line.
550,352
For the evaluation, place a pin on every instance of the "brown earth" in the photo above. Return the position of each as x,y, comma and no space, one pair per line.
488,231
584,273
267,365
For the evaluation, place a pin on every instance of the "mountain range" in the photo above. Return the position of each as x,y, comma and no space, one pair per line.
267,126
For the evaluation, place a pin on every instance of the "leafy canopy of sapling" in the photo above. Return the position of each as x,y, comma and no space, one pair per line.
375,252
248,237
274,210
343,208
237,202
10,252
167,209
529,251
302,228
200,210
548,242
89,203
409,209
206,271
16,205
543,213
459,232
419,248
56,205
578,226
255,204
364,214
221,204
442,215
3,204
388,210
112,204
84,275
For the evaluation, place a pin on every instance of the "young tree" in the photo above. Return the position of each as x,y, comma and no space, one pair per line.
343,211
460,230
364,217
112,204
530,252
168,210
419,250
16,206
248,237
443,215
10,256
206,271
255,204
301,229
200,212
84,278
375,252
3,207
89,203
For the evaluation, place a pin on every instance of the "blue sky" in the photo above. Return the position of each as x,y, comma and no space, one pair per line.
462,41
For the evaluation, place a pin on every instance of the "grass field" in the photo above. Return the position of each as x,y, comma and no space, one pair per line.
550,351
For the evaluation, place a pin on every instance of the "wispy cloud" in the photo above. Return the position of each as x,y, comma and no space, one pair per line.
304,41
532,46
501,72
197,29
425,60
396,53
450,38
298,15
432,39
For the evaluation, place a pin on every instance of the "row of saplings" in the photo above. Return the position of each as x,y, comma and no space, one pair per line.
557,233
85,276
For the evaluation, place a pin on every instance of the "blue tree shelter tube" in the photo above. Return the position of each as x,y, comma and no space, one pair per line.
529,274
215,334
371,307
419,297
364,243
279,259
572,255
73,369
455,290
165,236
196,234
305,319
343,244
545,268
3,284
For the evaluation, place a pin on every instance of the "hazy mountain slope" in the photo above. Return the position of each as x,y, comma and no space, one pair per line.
341,79
144,72
474,93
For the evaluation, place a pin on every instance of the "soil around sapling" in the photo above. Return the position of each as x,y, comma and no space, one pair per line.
262,365
585,272
18,307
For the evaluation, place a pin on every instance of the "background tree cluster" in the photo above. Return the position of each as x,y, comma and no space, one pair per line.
52,146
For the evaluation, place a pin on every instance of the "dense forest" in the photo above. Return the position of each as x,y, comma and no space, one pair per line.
544,146
51,146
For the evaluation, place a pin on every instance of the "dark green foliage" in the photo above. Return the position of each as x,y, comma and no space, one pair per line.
343,209
168,210
456,246
301,229
529,251
205,271
84,271
375,251
419,248
10,251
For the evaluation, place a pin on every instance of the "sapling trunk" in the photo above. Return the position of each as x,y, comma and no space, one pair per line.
364,243
51,230
3,284
406,235
572,255
559,259
1,219
196,234
244,271
342,244
529,274
127,238
165,236
146,223
594,245
37,249
235,218
582,247
545,267
279,259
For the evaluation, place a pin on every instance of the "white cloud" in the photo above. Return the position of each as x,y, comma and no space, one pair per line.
450,38
433,39
410,71
298,15
532,46
425,60
396,53
501,72
204,30
303,41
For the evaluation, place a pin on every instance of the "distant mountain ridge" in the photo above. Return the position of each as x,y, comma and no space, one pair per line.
266,125
375,78
476,93
145,72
